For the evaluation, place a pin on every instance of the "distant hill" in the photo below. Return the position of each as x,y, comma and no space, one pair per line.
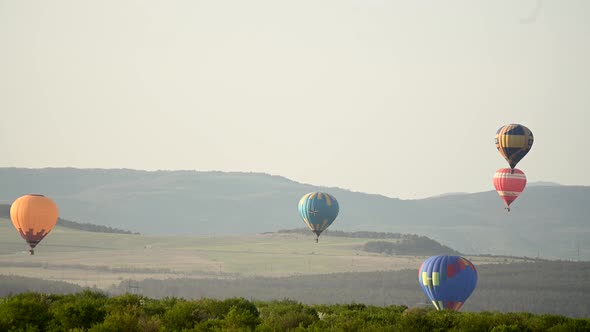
5,213
451,194
543,183
391,243
546,221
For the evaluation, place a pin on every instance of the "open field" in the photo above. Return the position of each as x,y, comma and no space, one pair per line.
103,259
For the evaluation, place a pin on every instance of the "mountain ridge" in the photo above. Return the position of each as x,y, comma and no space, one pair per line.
546,220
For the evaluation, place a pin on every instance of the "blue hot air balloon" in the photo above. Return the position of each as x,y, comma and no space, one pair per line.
318,210
447,281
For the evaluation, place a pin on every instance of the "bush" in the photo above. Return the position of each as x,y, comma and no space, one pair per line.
287,315
25,312
118,322
80,310
183,315
239,319
506,328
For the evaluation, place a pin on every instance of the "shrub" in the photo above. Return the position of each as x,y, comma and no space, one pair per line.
25,312
80,310
118,322
286,315
183,315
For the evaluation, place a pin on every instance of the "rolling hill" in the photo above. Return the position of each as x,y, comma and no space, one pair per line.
103,259
341,268
547,220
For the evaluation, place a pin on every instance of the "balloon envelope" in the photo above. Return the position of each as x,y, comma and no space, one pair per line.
318,210
514,141
33,216
447,281
509,184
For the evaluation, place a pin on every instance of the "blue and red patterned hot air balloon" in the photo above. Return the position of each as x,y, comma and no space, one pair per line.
318,211
447,281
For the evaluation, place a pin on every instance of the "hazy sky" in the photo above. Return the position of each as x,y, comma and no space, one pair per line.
390,97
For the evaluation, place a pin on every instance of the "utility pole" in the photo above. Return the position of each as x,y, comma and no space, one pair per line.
133,287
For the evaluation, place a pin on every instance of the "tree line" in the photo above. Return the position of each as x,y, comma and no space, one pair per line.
404,244
12,284
357,234
421,246
97,312
88,227
83,226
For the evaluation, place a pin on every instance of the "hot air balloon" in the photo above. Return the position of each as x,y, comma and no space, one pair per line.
33,216
514,141
447,281
318,210
509,184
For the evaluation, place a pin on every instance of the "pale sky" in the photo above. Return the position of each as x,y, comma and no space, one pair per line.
400,98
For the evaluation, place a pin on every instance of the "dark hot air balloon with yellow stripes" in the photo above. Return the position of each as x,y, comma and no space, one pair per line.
318,210
514,141
33,216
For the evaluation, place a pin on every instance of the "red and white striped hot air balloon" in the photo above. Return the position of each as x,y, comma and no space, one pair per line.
509,184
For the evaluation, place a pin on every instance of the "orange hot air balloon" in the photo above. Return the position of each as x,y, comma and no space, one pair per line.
33,216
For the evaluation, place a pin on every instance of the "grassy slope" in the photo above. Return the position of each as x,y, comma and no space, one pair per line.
103,259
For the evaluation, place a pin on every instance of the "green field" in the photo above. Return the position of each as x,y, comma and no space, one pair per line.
103,259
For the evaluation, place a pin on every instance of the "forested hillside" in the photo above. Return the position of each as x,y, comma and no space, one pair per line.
536,287
12,284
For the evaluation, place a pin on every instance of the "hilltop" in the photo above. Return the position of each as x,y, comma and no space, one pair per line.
547,220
